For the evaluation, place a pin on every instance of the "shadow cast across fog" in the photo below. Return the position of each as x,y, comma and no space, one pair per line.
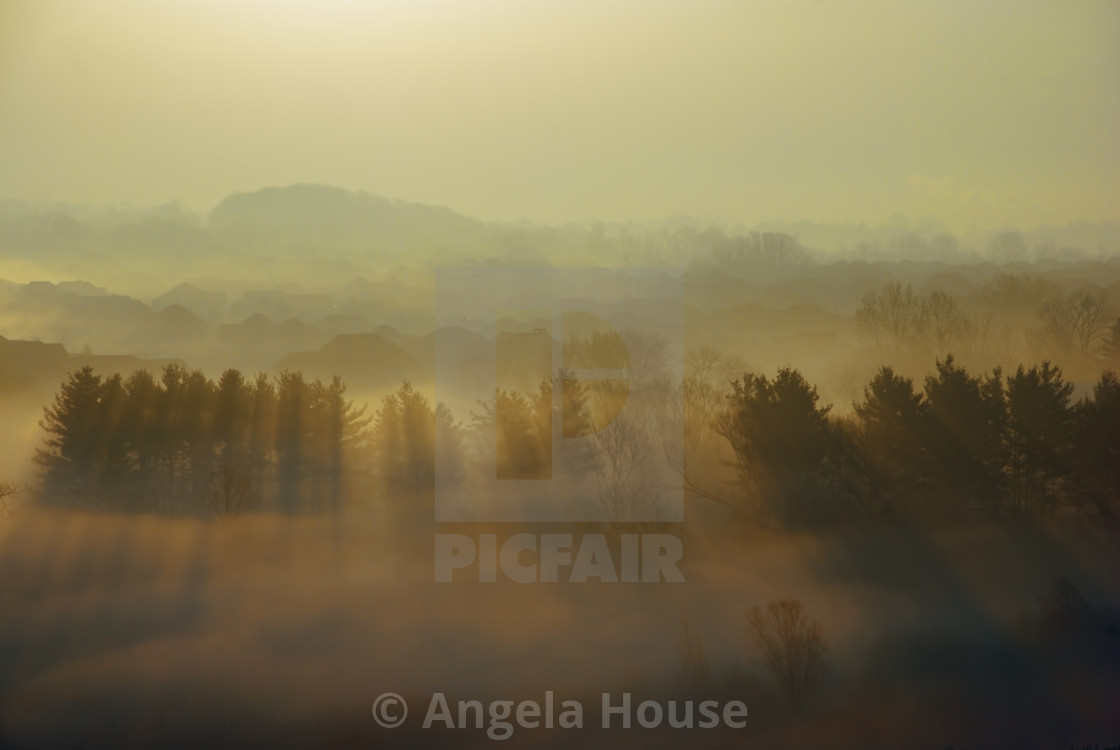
139,631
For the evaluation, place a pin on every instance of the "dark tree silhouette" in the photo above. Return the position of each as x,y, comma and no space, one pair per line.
1020,296
695,671
73,455
891,317
966,425
231,491
1039,434
1110,350
116,468
404,441
944,325
343,437
293,400
7,490
450,460
792,645
140,424
1097,447
1078,323
196,415
231,416
893,418
782,443
184,443
512,434
524,435
262,430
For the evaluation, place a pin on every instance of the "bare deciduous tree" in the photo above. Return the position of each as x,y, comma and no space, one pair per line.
1078,322
1111,348
1020,295
780,248
792,645
625,482
754,249
895,318
1057,325
946,326
690,648
891,317
630,450
231,491
1008,246
707,383
1065,612
1064,600
1092,315
7,490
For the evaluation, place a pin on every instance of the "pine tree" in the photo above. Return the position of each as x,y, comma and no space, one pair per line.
74,451
404,441
1096,457
782,440
893,420
139,425
1039,435
967,418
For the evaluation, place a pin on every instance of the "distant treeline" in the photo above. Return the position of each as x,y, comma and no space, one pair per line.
963,447
1014,313
183,442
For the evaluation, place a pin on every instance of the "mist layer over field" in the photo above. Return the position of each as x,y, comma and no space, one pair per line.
220,501
183,632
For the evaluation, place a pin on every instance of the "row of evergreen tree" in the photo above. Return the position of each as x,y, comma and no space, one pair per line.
965,446
184,442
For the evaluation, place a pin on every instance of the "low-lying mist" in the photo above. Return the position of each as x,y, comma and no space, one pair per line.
141,630
218,487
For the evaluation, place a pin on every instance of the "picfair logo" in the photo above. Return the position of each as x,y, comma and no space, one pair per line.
554,364
593,377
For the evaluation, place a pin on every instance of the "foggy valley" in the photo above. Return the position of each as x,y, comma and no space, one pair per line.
272,561
597,375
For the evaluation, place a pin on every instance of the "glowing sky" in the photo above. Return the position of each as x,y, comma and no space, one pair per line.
980,113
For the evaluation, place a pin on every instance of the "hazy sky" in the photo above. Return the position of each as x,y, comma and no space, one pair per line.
981,113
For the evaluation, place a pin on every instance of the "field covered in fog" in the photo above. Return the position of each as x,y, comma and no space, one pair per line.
182,633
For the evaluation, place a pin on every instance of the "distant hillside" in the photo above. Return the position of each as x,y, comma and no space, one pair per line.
41,367
206,305
316,237
363,360
329,219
